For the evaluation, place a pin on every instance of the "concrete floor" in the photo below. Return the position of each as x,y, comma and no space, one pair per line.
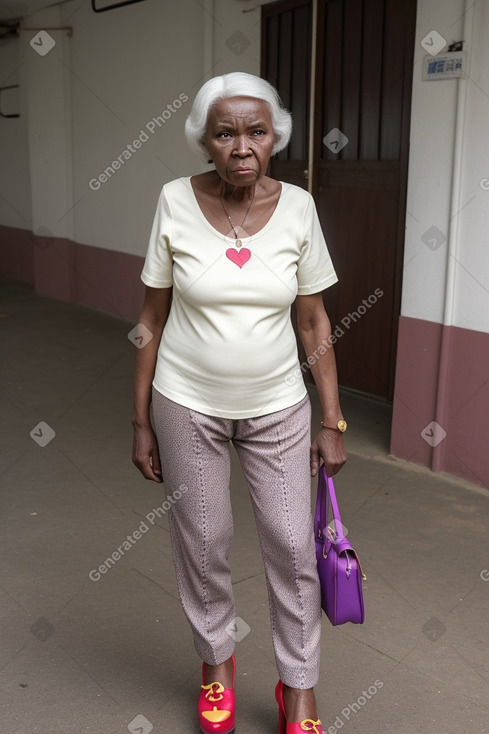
115,654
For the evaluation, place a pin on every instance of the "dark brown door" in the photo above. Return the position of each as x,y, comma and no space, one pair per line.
364,52
363,80
286,63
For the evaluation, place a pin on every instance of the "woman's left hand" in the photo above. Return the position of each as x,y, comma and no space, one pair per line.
328,446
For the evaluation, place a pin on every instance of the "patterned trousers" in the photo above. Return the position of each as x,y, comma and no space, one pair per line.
273,451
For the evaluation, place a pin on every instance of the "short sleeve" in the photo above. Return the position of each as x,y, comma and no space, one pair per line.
157,270
315,271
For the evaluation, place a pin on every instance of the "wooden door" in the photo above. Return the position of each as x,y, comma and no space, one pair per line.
286,63
364,51
363,81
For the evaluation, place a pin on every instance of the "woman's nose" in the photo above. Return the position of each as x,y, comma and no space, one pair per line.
242,147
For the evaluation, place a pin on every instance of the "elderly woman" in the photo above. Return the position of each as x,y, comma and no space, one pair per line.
230,251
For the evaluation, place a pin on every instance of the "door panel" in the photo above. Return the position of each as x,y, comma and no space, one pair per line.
286,60
349,28
371,82
355,197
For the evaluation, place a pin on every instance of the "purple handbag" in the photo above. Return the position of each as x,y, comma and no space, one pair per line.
340,573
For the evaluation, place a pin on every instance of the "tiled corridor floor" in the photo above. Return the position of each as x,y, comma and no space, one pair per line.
106,653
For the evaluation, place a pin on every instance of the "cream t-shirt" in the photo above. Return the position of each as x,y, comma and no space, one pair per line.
228,344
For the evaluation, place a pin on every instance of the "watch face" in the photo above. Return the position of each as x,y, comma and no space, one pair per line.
342,426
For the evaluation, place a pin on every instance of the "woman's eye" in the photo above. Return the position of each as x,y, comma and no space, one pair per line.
258,132
223,134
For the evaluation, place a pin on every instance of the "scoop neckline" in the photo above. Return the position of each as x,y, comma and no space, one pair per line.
233,239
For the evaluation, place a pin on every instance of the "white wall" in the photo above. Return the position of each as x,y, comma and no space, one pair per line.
117,72
471,308
132,63
465,222
45,81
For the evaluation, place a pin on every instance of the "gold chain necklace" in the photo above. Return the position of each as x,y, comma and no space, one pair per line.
238,242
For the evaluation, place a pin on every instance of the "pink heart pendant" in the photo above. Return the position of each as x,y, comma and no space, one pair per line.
238,257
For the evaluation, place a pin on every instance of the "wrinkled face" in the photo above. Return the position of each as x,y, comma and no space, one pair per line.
239,138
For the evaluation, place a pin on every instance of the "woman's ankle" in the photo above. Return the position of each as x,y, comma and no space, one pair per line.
222,673
300,704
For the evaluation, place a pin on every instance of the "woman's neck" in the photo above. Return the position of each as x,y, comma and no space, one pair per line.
235,193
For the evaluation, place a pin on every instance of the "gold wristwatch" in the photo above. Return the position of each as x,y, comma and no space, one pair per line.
341,426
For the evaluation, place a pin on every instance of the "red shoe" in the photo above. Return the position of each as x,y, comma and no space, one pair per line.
213,718
287,727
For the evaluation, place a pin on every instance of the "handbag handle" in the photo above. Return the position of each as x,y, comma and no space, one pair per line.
327,491
330,490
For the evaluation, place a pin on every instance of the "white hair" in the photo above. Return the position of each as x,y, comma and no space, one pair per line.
236,84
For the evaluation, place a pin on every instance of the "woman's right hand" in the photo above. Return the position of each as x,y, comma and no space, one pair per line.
145,453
